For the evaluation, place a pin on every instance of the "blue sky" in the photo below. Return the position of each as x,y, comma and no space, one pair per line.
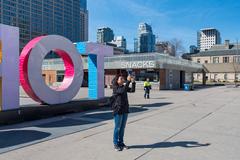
170,19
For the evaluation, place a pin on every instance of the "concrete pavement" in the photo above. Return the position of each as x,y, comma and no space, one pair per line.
172,125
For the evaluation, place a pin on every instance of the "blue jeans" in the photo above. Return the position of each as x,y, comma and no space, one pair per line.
120,124
147,94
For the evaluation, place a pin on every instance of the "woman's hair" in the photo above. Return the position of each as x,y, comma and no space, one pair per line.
115,79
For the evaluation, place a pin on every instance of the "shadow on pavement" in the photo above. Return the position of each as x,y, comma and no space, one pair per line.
108,115
17,137
155,104
98,117
158,98
185,144
13,137
64,123
200,87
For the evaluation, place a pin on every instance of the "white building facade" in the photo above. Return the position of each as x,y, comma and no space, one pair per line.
208,37
120,41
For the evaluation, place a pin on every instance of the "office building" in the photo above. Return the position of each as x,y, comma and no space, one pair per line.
208,37
166,48
120,42
83,21
68,18
146,39
104,35
193,49
116,50
135,43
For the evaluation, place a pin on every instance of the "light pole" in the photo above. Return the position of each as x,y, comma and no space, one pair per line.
235,65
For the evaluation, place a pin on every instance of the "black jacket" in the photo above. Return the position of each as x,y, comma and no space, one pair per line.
120,103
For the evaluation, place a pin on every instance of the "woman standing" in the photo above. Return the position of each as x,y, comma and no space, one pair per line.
120,108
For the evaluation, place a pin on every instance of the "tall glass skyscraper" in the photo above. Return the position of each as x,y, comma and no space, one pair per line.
84,20
42,17
146,39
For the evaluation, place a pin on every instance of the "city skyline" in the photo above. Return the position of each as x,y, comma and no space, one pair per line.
124,16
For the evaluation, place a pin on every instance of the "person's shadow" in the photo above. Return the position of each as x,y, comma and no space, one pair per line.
185,144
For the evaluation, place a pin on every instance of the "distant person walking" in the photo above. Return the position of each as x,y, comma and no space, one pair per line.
120,106
147,88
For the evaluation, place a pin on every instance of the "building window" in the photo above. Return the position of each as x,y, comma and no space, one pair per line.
236,59
215,59
225,76
60,76
198,76
225,59
206,61
237,76
215,77
144,74
44,76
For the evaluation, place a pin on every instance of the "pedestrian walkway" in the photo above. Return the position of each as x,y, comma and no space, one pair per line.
172,125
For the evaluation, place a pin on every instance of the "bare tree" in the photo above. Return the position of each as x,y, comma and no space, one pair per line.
179,48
